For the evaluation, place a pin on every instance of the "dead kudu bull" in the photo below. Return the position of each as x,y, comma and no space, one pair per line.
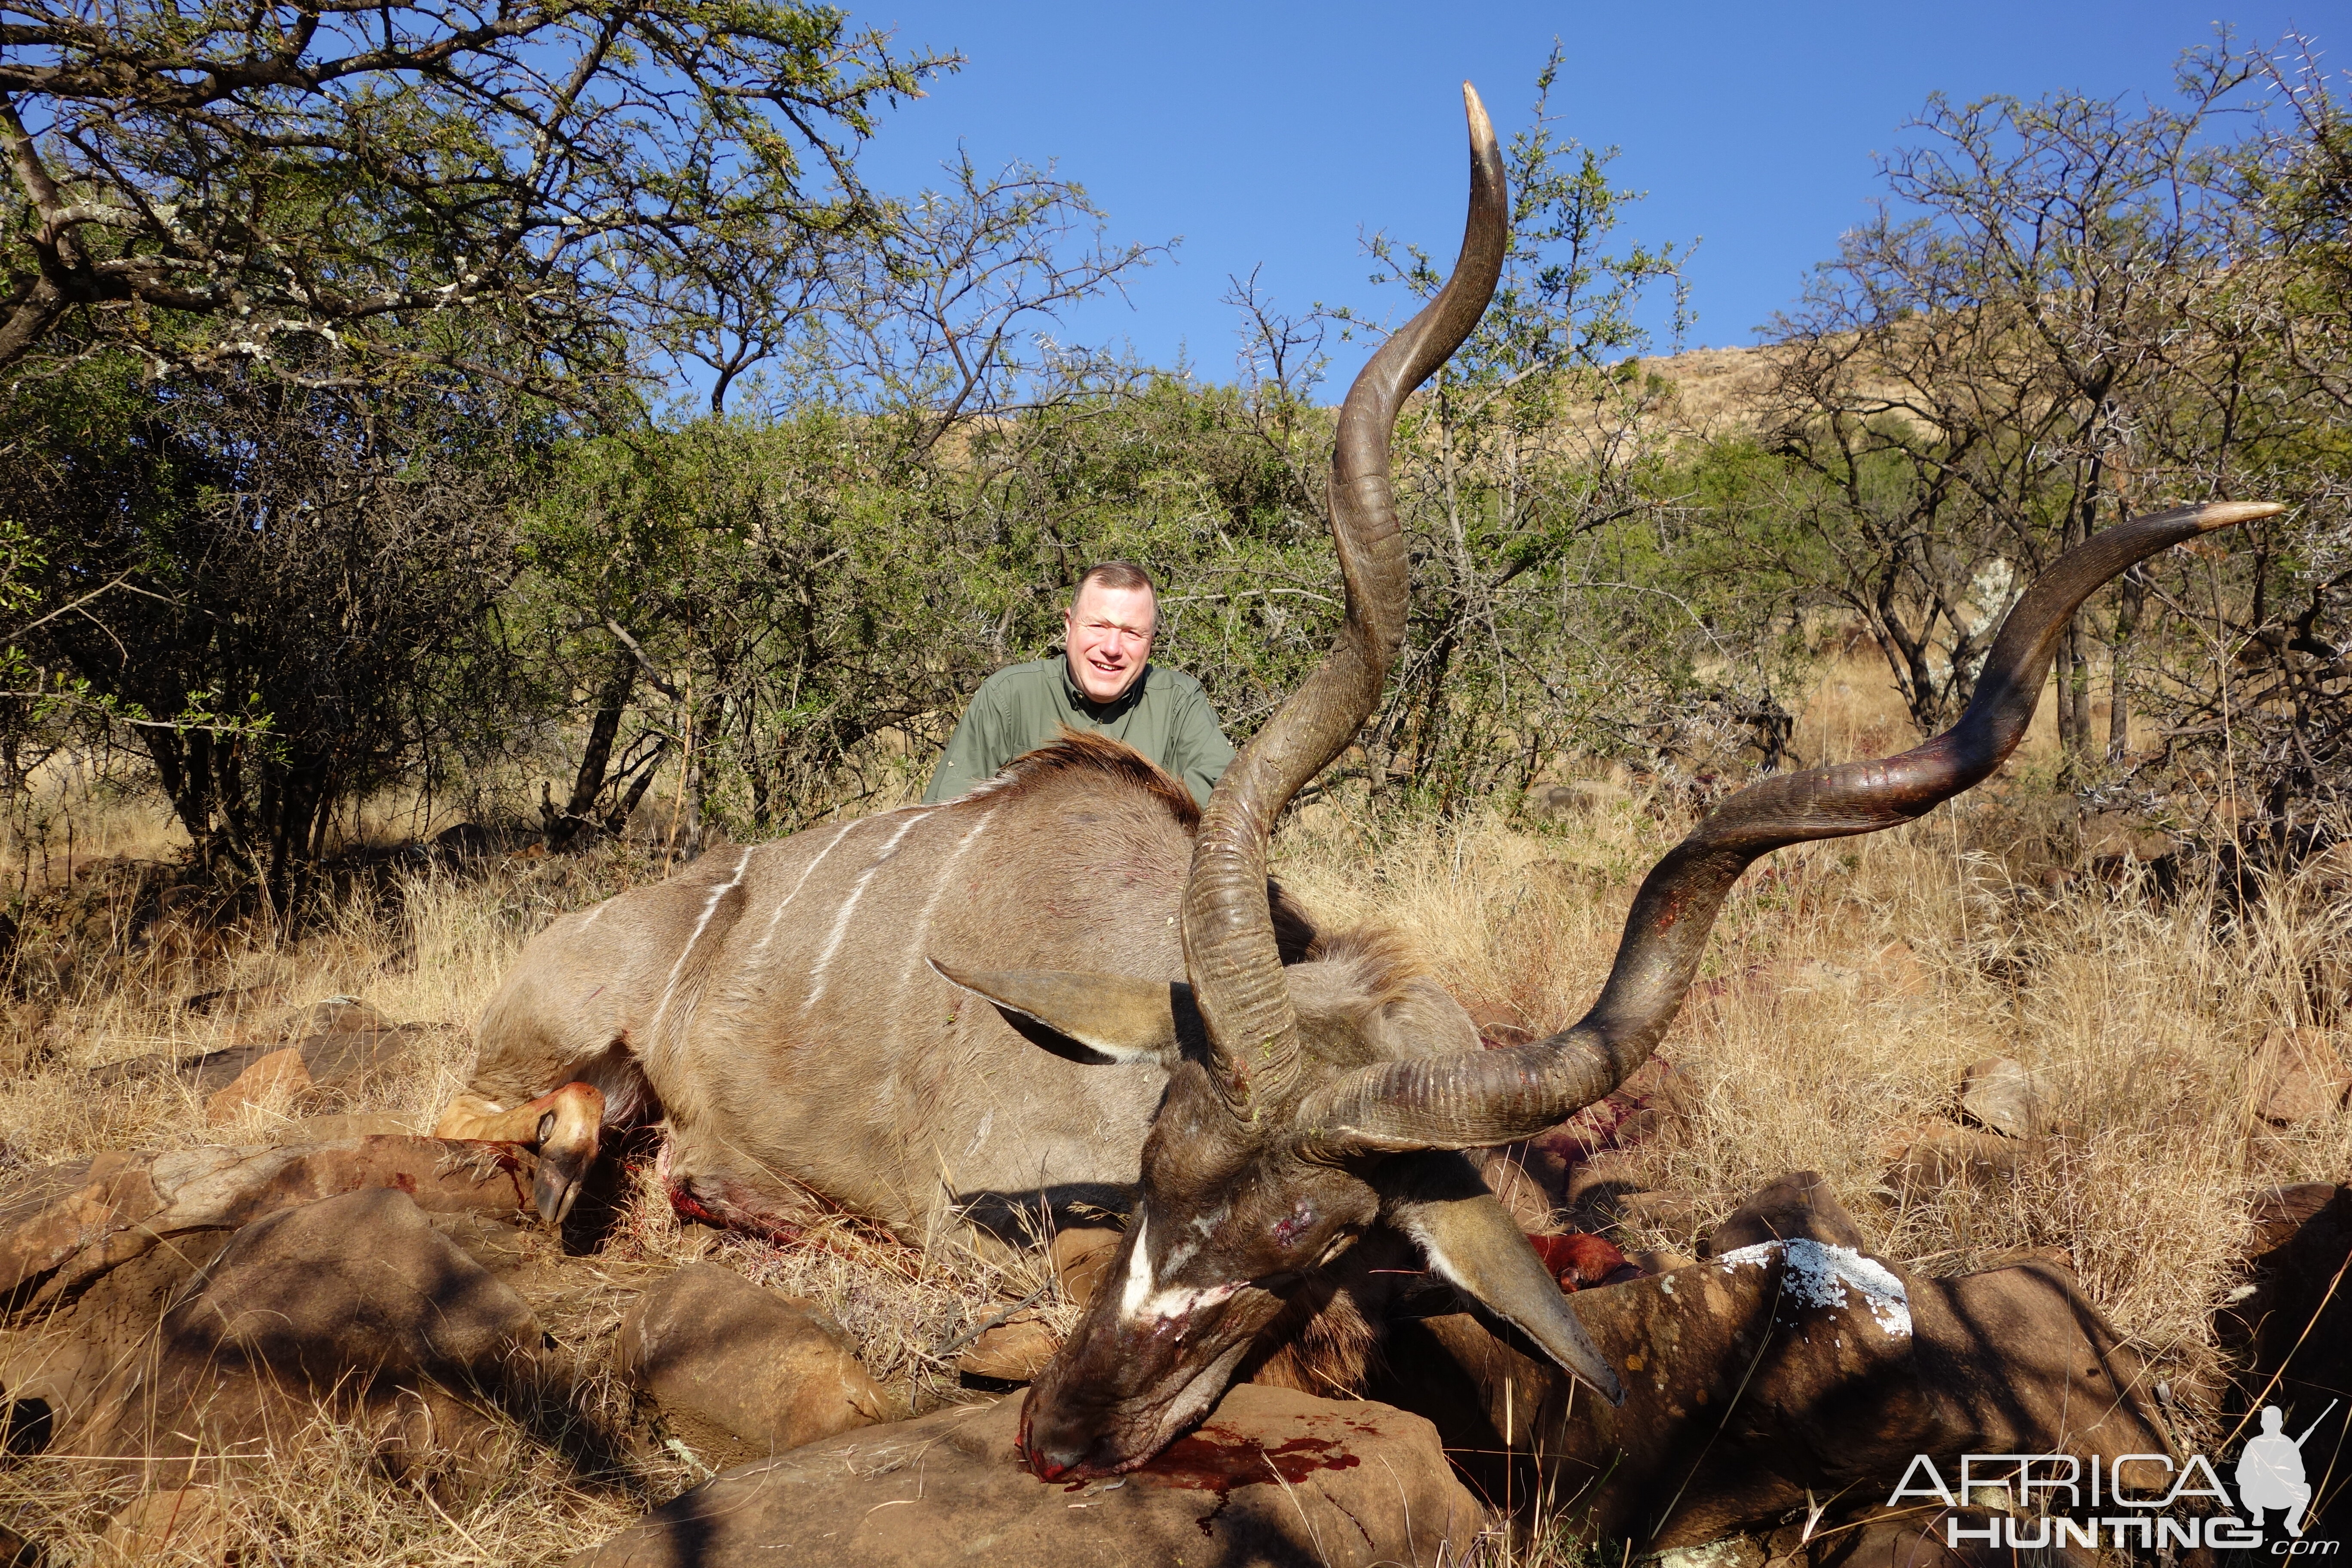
1301,1106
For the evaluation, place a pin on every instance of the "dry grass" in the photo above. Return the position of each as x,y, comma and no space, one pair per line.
1805,1049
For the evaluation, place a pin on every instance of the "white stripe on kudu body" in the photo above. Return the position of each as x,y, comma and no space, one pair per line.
850,906
930,907
653,1030
818,859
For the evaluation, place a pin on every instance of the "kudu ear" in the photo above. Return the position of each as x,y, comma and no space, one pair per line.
1473,1244
1098,1020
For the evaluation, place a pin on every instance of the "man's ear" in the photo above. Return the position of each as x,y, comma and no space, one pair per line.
1097,1019
1474,1244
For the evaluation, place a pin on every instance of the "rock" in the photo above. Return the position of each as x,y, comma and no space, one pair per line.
1678,1213
1272,1476
272,1083
1841,1367
1660,1260
339,1015
1798,1204
2005,1095
1014,1351
2298,1076
1731,1552
345,1061
72,1224
302,1131
353,1305
741,1372
183,1525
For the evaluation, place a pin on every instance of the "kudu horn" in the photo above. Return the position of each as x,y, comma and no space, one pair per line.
1498,1097
1229,940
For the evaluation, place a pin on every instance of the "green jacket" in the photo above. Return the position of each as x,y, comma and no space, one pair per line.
1165,715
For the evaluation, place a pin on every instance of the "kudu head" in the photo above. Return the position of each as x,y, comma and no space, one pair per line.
1301,1113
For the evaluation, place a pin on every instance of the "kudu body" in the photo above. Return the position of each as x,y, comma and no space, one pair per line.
773,1007
1301,1124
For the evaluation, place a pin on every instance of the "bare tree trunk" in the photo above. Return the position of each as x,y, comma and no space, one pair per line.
2133,599
589,781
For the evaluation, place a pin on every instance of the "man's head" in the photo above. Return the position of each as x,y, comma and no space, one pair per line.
1108,627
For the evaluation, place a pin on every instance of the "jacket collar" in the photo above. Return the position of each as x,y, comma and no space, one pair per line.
1101,712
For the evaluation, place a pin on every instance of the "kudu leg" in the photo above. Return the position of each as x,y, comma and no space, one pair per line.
563,1125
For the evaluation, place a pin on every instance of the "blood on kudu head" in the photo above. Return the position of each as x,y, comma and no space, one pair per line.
1285,1133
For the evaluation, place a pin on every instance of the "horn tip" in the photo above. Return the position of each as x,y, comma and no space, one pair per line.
1481,130
2229,514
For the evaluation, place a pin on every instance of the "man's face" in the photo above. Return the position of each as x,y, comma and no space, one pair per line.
1109,635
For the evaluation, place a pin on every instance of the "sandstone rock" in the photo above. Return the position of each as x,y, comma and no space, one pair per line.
1841,1367
1680,1213
181,1525
1273,1477
740,1372
2005,1095
339,1015
1014,1351
2298,1076
1798,1204
303,1131
347,1060
272,1083
72,1224
353,1305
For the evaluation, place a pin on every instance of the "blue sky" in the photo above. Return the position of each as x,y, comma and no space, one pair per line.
1265,134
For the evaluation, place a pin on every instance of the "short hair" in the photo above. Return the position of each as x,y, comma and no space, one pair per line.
1121,574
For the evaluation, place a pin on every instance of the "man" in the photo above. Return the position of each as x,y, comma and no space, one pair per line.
1103,680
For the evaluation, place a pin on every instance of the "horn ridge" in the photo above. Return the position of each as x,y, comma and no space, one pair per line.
1229,943
1499,1097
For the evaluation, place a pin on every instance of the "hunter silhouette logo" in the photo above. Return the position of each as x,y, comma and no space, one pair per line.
2270,1472
2059,1500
